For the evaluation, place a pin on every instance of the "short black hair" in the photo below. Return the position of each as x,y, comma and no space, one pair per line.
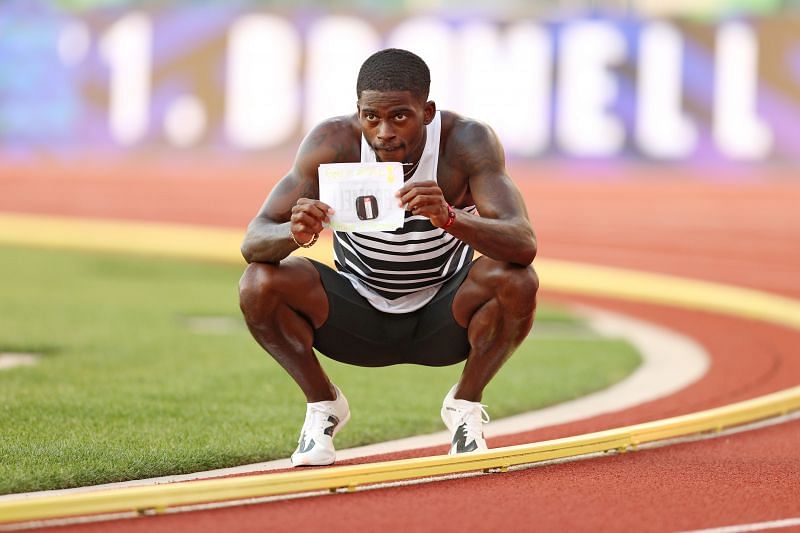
394,69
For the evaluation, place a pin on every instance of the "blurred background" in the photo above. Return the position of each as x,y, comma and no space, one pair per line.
701,81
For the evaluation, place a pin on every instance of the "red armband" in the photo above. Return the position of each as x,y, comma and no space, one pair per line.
451,217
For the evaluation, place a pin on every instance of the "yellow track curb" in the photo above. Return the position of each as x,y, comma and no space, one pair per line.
669,290
149,238
160,497
217,244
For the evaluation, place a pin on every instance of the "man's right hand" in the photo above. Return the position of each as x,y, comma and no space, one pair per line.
308,217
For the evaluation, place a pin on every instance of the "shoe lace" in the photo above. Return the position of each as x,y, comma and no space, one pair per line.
473,420
316,421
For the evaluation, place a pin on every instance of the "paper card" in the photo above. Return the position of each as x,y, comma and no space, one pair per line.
362,195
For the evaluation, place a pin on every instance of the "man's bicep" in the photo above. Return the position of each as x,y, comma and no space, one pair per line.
292,187
492,189
302,181
496,196
326,143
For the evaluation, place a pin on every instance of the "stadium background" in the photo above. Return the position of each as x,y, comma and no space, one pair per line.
708,83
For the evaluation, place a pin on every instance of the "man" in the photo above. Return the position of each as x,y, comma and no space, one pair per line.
408,296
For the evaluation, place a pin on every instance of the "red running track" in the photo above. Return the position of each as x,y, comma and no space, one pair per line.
739,228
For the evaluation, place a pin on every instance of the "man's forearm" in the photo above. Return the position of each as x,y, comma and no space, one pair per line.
267,242
503,240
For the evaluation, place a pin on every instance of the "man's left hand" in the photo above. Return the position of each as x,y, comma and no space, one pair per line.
425,198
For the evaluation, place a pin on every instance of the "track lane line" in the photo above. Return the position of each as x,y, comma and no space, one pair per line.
756,526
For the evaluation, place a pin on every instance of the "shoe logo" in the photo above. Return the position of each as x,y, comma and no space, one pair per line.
460,440
305,446
334,422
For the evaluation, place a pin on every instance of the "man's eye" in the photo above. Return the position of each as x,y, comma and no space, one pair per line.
370,117
400,117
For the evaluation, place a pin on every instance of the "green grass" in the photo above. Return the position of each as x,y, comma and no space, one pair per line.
146,369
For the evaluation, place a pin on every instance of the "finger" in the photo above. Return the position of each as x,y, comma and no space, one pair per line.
303,223
415,184
322,206
425,204
408,197
314,210
427,184
435,211
311,220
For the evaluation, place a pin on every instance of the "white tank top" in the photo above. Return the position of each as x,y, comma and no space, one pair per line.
400,271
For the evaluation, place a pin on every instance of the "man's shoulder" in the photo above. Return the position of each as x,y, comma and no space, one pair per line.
460,132
341,126
334,140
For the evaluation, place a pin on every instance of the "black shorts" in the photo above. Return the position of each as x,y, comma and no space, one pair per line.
358,334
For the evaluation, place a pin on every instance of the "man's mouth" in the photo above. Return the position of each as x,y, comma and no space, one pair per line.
387,148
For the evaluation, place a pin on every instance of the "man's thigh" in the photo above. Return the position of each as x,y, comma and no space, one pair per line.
293,282
357,333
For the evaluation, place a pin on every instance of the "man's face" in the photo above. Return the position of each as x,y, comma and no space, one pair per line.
393,123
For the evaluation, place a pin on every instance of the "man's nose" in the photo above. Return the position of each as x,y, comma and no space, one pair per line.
385,131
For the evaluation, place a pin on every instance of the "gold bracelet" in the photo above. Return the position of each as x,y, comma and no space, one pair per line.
309,244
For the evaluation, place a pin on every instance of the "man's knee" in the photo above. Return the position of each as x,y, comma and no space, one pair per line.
293,282
514,286
258,286
522,281
519,286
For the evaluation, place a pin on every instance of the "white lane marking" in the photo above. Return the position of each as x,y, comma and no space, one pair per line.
757,526
10,360
670,362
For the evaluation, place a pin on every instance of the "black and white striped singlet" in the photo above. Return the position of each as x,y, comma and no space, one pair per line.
400,271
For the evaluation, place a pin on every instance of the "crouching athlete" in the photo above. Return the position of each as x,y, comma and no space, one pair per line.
414,295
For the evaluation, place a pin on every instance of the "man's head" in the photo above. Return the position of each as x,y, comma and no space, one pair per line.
394,70
393,109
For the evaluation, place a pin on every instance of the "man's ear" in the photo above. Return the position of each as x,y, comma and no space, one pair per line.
429,111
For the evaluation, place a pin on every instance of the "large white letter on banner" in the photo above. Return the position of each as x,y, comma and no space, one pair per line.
337,46
127,47
432,40
662,129
586,88
506,82
738,130
262,102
